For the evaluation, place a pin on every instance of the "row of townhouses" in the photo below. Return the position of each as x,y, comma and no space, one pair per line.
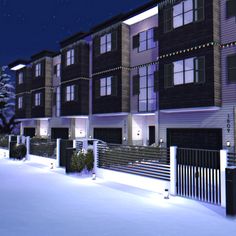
163,73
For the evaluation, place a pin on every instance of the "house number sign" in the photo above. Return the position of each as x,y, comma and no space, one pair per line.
228,124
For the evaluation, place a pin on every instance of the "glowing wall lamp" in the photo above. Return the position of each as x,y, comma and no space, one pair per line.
228,144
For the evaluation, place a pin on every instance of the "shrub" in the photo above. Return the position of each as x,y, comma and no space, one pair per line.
19,151
77,163
89,160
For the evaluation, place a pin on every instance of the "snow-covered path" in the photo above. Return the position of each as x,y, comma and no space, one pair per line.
35,201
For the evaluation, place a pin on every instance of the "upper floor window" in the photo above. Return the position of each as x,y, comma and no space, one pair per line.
183,13
105,43
38,70
20,102
57,70
230,8
70,57
70,93
191,70
37,99
231,64
146,40
20,78
105,86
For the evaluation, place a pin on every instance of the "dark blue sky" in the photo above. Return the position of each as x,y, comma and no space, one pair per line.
29,26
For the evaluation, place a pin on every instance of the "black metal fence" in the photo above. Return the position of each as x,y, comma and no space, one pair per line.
231,161
64,145
198,174
43,147
150,162
4,141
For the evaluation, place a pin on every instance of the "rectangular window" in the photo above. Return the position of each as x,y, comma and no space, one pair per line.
20,78
105,43
38,70
146,40
57,70
70,93
187,71
230,8
70,57
231,67
183,13
105,86
37,99
58,102
20,102
147,95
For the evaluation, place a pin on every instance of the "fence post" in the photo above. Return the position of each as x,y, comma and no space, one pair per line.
28,148
18,139
223,165
58,152
173,170
74,143
9,141
95,154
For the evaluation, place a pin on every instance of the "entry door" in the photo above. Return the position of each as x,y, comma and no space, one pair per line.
152,135
109,135
62,133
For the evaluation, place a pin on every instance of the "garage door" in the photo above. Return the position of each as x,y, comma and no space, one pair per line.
210,139
62,133
109,135
29,132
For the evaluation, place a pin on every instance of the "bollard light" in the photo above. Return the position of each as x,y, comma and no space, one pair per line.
166,194
94,176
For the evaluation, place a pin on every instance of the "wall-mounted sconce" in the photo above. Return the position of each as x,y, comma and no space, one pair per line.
124,138
138,133
161,142
228,144
90,136
81,131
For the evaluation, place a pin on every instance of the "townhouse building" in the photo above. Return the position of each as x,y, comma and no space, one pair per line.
162,73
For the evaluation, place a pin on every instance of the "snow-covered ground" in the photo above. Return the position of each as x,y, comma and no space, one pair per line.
36,201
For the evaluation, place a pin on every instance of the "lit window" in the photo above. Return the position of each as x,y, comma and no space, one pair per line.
70,57
20,102
105,43
105,86
37,99
38,70
146,40
70,93
20,78
57,70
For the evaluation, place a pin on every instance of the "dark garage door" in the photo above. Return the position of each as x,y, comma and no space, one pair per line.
195,138
109,135
29,132
62,133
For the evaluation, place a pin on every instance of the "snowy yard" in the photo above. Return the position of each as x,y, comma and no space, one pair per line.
36,201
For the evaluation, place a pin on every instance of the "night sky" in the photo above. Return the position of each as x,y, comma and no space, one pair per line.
29,26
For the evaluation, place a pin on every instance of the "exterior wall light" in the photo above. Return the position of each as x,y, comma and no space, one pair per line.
124,138
228,144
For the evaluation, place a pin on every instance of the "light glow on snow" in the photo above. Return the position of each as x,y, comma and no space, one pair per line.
18,67
142,16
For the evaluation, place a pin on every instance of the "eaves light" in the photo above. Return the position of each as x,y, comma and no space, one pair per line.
142,16
18,67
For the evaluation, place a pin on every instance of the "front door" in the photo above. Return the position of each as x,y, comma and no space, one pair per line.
152,135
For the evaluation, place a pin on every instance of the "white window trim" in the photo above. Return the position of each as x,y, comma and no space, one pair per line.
37,99
70,93
38,70
70,57
107,87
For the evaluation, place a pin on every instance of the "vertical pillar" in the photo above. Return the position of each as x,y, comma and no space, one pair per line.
74,143
58,153
173,170
27,143
130,130
18,139
223,165
95,154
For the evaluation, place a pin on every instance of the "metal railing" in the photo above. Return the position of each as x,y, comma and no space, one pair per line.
231,161
150,162
43,147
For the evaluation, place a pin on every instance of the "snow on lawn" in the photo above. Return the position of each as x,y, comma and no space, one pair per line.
36,201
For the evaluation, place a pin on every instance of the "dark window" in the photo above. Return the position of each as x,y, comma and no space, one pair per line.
231,64
230,8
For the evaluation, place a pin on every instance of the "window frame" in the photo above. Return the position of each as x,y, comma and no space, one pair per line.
107,86
147,39
20,78
20,103
147,88
38,67
70,93
106,43
231,68
70,57
37,99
